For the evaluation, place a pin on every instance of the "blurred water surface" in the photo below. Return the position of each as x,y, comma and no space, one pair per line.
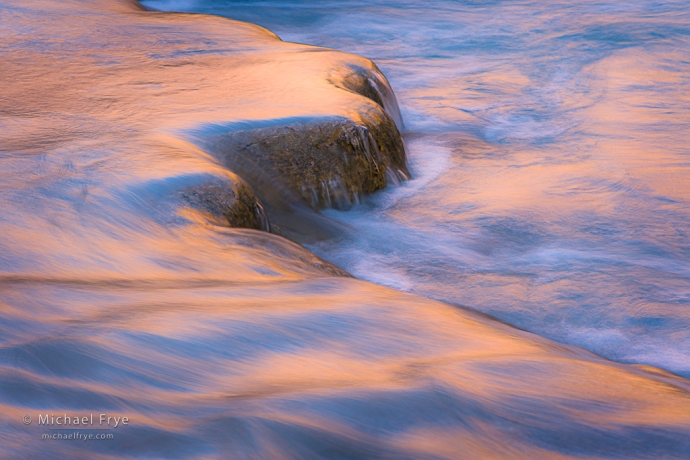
550,148
550,189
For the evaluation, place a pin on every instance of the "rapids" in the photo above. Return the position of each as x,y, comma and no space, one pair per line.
546,189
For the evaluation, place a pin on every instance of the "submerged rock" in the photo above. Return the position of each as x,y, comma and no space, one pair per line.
233,88
328,162
367,80
227,202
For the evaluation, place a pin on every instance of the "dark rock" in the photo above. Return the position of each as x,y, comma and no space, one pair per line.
228,201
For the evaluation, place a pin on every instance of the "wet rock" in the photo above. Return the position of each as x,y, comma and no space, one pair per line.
329,163
366,79
348,148
227,202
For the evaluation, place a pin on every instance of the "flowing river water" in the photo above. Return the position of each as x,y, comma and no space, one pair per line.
547,146
550,153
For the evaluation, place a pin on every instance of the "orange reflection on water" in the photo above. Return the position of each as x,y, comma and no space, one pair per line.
229,342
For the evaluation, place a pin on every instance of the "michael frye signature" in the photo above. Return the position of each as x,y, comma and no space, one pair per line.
64,421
